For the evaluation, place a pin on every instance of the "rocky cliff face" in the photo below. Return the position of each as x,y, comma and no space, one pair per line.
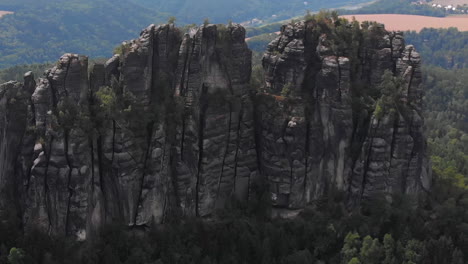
171,127
329,119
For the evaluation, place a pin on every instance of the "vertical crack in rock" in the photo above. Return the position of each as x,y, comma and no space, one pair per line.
201,130
339,79
228,139
392,147
236,155
372,131
101,168
67,68
288,159
46,186
93,165
410,83
182,140
114,129
307,155
30,135
69,187
149,132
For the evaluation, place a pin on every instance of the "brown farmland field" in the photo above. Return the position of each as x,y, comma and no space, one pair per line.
2,13
412,22
450,2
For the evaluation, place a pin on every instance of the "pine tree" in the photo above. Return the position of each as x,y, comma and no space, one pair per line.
413,251
354,261
17,256
352,244
389,250
371,251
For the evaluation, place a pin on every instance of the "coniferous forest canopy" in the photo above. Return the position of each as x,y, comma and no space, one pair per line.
436,231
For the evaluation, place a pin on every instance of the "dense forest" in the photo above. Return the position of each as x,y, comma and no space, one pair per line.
446,48
41,31
447,122
326,232
436,231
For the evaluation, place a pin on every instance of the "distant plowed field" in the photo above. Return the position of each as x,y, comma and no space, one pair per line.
2,13
411,22
450,2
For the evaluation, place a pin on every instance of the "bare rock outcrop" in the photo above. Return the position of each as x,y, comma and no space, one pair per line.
329,119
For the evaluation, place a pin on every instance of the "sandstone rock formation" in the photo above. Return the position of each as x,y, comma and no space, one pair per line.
318,121
171,127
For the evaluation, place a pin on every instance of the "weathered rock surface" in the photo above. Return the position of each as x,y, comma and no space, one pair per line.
171,127
318,133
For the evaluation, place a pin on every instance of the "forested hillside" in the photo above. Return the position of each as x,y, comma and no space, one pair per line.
446,48
240,10
40,31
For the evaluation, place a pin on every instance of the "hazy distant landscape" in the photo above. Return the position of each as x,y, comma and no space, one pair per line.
40,31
